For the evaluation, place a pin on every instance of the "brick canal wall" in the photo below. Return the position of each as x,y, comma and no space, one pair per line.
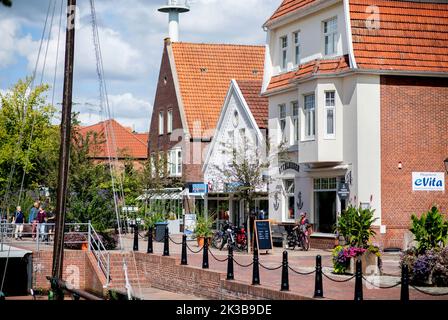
166,273
80,270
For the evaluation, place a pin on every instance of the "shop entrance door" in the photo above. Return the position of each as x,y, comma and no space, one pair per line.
325,204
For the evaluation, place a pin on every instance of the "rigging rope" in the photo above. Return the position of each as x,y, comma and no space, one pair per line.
104,101
19,141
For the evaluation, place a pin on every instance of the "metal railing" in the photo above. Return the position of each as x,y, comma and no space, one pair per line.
38,236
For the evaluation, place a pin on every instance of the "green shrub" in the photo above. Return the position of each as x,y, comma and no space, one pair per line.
203,227
355,225
430,230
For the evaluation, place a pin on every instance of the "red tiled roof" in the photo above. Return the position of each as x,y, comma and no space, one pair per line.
289,6
310,69
413,36
258,105
205,71
121,141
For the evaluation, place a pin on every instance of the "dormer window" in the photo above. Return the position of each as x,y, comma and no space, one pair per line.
296,37
331,36
284,52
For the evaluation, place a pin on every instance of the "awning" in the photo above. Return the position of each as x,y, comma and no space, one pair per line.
165,194
12,252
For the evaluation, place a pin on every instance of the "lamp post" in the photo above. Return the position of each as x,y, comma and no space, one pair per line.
446,165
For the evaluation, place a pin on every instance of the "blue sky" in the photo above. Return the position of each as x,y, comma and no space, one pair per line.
131,35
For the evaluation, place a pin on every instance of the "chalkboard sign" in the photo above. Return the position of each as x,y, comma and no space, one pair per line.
263,234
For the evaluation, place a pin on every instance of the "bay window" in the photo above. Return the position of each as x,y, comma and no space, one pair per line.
330,114
310,116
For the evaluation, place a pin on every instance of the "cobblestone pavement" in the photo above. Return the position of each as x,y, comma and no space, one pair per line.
302,262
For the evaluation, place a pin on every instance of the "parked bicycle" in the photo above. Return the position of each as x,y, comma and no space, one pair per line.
299,236
230,236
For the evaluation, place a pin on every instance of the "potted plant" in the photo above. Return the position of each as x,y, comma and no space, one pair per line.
203,230
355,225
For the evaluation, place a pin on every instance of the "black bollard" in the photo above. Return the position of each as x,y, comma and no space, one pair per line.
256,268
404,283
230,264
150,248
358,281
183,260
285,278
318,287
135,237
205,254
166,244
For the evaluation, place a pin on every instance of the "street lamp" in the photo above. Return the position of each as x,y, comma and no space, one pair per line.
446,165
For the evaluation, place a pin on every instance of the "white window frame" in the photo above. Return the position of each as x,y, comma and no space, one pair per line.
295,120
330,105
161,123
296,39
309,117
290,193
331,35
170,121
284,52
175,162
282,114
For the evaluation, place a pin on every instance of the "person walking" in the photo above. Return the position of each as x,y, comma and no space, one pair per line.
41,217
18,220
32,219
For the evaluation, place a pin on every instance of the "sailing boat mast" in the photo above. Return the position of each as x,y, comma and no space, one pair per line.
64,152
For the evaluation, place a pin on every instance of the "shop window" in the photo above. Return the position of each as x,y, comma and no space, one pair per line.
289,189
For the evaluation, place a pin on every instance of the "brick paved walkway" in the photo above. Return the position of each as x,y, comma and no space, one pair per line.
302,262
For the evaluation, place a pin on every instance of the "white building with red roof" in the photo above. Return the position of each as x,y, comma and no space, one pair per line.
240,135
358,90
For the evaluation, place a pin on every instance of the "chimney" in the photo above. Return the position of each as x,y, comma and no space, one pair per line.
174,8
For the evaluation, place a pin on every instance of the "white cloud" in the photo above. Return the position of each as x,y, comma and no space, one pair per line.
125,108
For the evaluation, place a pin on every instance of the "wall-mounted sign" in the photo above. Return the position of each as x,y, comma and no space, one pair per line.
289,166
343,191
428,181
199,188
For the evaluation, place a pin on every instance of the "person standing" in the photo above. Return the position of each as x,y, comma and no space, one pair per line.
18,220
41,217
32,219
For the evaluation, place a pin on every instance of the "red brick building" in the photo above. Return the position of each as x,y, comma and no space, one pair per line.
116,142
360,88
192,86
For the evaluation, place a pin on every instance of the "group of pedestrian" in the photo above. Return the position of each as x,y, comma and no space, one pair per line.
38,219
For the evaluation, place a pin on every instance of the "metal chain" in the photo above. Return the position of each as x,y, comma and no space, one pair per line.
380,287
271,269
242,265
301,273
192,251
214,257
429,293
177,243
345,280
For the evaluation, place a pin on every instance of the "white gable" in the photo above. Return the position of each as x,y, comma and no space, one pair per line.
235,120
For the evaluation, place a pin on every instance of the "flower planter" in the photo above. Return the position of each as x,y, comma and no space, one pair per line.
201,241
369,264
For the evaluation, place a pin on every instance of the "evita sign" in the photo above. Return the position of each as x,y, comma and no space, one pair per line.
428,181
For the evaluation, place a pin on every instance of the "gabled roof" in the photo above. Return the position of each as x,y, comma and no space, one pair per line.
310,69
290,6
118,142
258,104
412,36
204,72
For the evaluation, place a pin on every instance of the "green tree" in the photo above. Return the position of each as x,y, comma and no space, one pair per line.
28,140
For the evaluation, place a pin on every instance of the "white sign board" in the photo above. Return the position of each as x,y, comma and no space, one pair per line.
428,181
189,225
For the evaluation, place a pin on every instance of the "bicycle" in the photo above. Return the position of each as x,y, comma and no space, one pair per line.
299,237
